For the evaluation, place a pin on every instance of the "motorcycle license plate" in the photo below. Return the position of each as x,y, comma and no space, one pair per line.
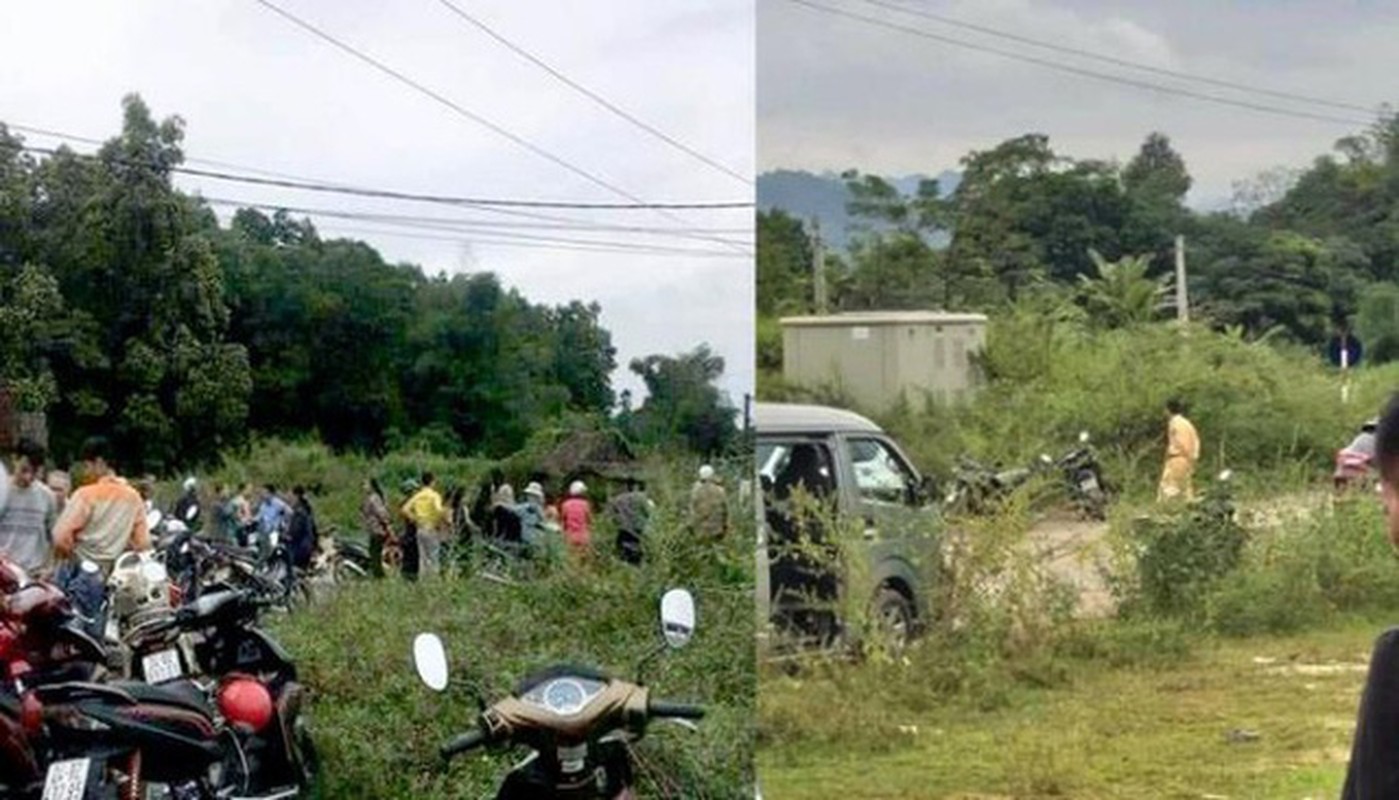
162,666
1089,484
67,780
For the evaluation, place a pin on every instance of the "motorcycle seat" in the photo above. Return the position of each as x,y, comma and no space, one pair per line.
176,693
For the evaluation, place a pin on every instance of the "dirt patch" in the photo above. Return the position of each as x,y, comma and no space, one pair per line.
1076,552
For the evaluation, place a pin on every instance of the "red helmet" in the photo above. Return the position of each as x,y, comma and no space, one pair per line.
245,701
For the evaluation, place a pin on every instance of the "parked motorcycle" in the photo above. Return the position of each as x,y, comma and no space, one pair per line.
216,643
64,736
978,489
579,722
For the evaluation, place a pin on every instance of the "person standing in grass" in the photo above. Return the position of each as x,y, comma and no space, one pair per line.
374,513
1182,453
29,513
577,514
244,520
631,513
709,507
408,554
1373,773
429,516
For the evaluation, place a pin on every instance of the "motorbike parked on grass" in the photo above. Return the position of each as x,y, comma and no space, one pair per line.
978,489
578,721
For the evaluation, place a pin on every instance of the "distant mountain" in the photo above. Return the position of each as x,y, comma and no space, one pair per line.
807,194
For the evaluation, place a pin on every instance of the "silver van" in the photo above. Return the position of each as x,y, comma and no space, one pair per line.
857,471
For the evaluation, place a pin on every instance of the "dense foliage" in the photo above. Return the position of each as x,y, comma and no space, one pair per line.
1302,253
127,309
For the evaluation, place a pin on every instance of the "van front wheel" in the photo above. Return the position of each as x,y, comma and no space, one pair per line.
893,617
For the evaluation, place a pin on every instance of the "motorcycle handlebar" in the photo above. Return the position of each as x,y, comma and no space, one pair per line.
467,741
663,708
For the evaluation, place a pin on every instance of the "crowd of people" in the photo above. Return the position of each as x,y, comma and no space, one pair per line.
414,532
74,537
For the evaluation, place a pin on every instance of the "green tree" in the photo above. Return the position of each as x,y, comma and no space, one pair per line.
784,264
684,406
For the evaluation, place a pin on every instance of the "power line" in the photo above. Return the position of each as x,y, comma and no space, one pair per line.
435,224
1121,62
1087,73
452,223
600,248
470,115
699,234
595,97
424,198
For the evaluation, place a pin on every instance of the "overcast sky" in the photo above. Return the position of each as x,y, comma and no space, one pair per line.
834,93
259,92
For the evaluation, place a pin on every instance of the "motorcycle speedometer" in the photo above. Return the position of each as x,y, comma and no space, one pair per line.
565,696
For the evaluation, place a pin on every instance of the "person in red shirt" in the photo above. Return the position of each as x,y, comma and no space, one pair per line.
577,515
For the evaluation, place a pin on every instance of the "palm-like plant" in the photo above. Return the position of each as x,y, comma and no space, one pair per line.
1122,295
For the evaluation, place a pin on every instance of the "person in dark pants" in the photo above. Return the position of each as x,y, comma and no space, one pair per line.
1373,773
302,530
631,514
409,541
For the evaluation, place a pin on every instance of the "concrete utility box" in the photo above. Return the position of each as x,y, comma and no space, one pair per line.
878,357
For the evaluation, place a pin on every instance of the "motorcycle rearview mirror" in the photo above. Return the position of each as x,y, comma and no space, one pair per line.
1226,476
430,659
1083,437
678,617
1045,458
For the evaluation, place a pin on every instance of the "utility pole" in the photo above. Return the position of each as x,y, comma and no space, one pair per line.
818,266
1182,296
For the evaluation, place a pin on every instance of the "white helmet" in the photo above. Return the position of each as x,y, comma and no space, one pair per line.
706,473
534,490
577,489
190,483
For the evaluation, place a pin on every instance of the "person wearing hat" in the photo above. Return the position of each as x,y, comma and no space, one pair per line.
709,507
189,499
577,515
531,515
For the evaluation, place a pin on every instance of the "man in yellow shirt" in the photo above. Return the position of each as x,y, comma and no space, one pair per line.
429,515
1182,453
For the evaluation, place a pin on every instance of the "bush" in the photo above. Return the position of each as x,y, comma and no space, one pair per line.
1279,599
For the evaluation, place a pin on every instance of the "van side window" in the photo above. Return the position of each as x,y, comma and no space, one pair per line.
784,466
880,475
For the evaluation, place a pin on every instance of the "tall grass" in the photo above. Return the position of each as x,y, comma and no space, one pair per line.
379,729
1263,409
1273,414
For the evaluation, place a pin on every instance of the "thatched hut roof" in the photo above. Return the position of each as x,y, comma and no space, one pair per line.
604,453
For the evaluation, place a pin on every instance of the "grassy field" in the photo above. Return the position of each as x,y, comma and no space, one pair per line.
1158,731
378,728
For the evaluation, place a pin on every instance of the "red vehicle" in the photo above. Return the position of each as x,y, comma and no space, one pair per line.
1355,463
